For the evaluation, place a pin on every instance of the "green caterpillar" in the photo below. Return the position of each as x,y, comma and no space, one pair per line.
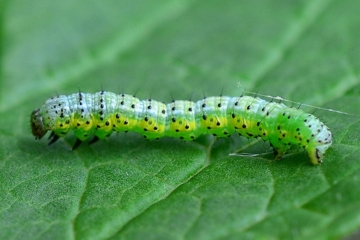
102,113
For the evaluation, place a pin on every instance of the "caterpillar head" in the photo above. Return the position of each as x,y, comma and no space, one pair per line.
37,125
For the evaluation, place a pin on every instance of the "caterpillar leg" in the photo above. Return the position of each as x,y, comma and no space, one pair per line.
77,144
51,135
94,140
53,138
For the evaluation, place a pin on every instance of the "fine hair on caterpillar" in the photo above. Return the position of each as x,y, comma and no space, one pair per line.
98,115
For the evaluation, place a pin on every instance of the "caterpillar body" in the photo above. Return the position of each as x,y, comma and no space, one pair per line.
102,113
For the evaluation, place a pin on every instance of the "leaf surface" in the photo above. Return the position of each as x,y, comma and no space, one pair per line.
126,187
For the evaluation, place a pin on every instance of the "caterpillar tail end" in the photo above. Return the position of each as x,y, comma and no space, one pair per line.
317,154
37,125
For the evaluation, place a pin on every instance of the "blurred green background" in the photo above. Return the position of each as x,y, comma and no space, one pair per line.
126,187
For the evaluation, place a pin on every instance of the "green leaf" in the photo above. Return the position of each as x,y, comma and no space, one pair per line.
126,187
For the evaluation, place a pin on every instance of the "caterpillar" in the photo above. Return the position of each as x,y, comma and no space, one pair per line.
102,113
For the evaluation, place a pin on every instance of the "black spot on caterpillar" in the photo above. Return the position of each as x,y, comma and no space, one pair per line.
102,113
